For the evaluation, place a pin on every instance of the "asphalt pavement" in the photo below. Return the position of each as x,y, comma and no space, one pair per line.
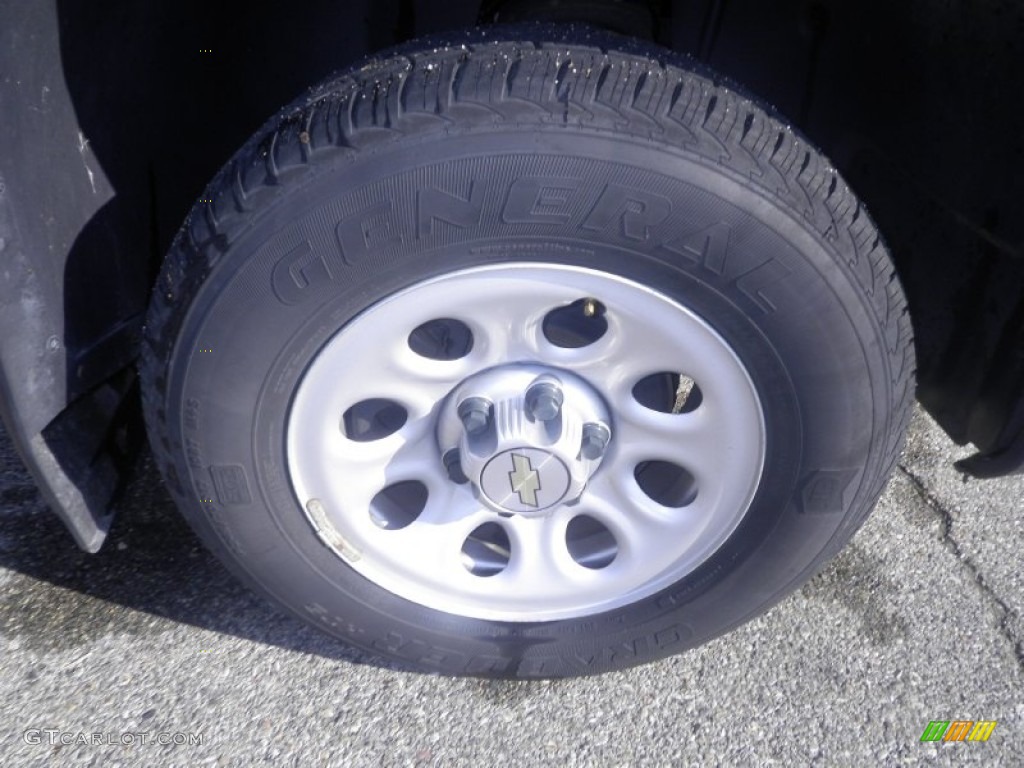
149,654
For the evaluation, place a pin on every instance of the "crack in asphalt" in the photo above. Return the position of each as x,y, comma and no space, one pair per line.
946,518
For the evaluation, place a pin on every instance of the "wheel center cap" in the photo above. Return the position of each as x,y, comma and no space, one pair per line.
525,480
528,437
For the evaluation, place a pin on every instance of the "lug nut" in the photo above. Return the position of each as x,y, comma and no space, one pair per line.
453,466
595,440
475,413
544,400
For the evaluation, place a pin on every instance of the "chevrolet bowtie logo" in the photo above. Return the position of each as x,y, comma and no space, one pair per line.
525,480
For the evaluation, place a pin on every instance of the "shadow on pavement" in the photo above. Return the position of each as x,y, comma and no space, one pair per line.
152,565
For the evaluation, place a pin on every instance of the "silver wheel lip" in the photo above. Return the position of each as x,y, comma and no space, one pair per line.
520,601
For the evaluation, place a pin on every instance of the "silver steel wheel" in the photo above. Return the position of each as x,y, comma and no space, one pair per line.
630,412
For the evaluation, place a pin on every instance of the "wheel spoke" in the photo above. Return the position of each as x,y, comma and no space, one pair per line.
616,363
356,471
643,530
423,550
689,440
540,560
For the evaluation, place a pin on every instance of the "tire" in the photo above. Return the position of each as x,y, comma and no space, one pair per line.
582,266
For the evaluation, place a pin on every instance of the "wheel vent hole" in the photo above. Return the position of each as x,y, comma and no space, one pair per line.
442,339
373,419
665,483
590,543
487,550
576,325
667,392
398,505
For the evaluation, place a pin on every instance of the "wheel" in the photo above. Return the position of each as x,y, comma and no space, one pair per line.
526,358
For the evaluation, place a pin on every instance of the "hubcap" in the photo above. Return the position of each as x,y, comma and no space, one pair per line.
518,432
525,442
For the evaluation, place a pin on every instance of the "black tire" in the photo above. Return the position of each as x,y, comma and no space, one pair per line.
760,237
